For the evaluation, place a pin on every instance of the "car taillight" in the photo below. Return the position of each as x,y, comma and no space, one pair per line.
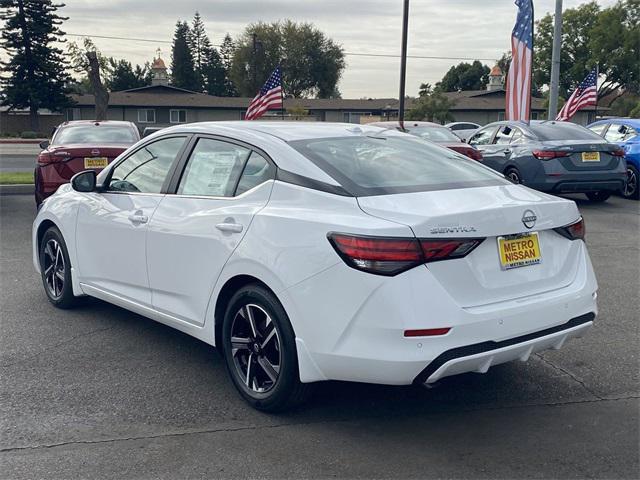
475,154
573,231
550,154
58,156
618,152
391,255
445,249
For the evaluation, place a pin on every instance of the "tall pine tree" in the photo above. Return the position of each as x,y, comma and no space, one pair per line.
183,74
214,74
200,45
227,50
35,75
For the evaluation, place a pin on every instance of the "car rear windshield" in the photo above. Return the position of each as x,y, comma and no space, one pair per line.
563,131
387,164
434,134
95,135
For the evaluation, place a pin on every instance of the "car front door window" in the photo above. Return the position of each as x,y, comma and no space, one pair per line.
213,169
145,171
483,137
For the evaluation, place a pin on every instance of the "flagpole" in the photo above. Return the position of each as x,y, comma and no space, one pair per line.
533,38
596,106
281,90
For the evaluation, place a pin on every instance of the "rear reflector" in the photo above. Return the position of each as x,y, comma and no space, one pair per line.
392,255
618,152
427,332
550,154
573,231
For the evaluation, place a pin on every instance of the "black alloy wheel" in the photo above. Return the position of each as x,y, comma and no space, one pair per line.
55,269
259,349
631,190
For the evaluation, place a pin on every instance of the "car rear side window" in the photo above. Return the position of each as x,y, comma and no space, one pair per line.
95,135
563,131
145,171
213,169
394,164
257,170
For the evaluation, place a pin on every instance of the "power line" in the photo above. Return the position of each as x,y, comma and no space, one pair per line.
352,54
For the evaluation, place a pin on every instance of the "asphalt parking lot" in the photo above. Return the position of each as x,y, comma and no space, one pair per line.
103,393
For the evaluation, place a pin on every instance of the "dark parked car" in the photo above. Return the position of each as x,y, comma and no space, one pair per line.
555,157
624,132
434,133
80,145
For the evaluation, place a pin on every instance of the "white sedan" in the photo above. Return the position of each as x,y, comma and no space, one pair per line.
311,252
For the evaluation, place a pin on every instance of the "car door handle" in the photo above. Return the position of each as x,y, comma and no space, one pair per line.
137,218
229,227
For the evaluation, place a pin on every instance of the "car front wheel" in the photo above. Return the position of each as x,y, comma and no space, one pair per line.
598,197
259,351
631,189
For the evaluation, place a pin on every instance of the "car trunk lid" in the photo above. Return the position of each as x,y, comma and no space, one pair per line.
582,156
489,213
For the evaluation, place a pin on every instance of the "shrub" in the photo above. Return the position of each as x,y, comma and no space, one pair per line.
28,134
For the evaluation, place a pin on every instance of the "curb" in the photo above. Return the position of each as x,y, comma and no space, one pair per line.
21,189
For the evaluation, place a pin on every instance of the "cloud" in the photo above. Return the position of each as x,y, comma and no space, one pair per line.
455,28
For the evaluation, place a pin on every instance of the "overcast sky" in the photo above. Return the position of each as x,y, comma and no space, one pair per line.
451,28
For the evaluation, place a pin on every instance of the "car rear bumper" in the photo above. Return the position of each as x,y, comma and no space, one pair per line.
481,356
357,333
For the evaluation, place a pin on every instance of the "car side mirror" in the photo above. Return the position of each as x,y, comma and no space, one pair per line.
44,144
84,181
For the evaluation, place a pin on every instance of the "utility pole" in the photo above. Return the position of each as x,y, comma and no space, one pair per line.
254,38
555,62
403,62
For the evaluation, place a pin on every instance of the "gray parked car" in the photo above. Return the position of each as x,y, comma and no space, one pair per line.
555,157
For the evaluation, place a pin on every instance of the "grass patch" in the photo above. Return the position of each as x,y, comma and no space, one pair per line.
15,178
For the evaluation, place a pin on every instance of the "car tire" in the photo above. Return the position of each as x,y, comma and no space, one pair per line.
261,359
513,175
632,190
55,269
598,197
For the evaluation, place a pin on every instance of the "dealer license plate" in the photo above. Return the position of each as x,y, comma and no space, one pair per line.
590,156
95,162
519,250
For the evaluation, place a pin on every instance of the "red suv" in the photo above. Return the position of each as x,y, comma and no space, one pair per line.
77,146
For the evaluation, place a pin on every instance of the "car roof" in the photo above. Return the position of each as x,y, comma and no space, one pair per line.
407,123
287,131
635,122
74,123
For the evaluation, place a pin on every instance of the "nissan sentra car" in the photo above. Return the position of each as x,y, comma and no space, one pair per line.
312,252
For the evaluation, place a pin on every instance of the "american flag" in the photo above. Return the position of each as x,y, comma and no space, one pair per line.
519,77
269,96
586,94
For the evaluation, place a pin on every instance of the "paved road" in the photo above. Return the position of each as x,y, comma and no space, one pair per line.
17,163
100,392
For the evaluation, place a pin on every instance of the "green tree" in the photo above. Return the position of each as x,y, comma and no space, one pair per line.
183,74
591,36
311,63
433,107
200,47
213,73
227,50
121,75
34,76
465,76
